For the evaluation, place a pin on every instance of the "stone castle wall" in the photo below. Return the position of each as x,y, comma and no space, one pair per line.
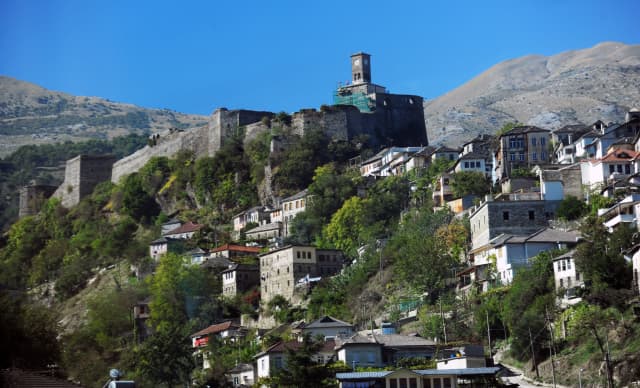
82,174
32,198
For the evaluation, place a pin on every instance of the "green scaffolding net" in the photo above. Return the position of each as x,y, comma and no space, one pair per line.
359,100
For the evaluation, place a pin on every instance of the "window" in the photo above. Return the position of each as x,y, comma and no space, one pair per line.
371,358
619,168
298,254
534,156
564,265
466,164
447,382
627,169
543,141
561,283
426,383
403,383
436,383
512,156
413,382
505,216
612,169
543,156
577,275
533,141
393,383
568,264
521,156
532,215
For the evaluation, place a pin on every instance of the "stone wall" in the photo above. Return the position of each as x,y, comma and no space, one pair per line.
488,221
570,177
32,198
81,176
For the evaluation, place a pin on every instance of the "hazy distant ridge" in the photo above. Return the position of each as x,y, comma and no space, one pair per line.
31,114
599,83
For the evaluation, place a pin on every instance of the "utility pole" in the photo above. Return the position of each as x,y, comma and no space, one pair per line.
489,333
444,324
533,354
551,348
607,359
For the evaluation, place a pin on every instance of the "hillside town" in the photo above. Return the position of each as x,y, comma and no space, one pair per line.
353,297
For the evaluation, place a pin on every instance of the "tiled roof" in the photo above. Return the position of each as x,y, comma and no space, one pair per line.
186,228
299,195
217,328
265,227
236,248
280,347
241,267
327,321
399,340
523,129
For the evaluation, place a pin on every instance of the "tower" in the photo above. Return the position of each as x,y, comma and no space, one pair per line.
361,68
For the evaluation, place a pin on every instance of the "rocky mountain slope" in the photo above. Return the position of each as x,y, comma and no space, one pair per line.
30,114
581,86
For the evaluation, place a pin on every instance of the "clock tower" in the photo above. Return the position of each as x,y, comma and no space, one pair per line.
360,68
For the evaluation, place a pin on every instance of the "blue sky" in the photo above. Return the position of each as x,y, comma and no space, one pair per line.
284,55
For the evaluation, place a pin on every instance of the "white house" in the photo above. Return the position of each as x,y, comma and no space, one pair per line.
567,278
275,357
328,327
616,164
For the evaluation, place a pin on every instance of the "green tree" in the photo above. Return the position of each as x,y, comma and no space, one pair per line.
532,293
599,257
136,202
465,183
571,208
301,370
345,230
421,260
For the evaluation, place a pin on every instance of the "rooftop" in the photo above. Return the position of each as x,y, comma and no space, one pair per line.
188,227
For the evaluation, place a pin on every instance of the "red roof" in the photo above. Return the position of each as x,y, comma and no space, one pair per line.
188,227
214,329
236,248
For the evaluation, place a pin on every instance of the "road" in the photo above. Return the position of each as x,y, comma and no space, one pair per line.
517,377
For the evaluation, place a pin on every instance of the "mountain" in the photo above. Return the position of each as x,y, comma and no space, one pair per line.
30,114
581,86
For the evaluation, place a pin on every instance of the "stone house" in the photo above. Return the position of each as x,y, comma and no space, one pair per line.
291,206
275,357
442,192
372,166
564,140
521,147
567,278
282,269
269,232
556,182
507,215
239,278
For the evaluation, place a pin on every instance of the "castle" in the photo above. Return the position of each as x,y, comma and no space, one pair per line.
360,108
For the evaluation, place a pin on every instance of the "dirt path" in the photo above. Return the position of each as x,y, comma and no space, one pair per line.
515,376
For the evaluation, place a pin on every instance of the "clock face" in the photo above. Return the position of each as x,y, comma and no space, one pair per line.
356,62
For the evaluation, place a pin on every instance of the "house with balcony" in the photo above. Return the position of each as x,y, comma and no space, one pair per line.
625,212
619,163
442,192
419,160
225,331
475,162
328,327
521,147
